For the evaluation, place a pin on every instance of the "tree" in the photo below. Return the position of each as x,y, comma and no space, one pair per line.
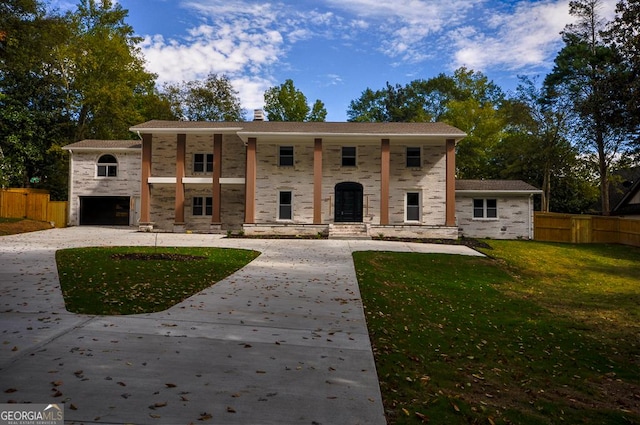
213,99
476,110
104,71
623,34
591,75
536,149
467,100
33,117
286,103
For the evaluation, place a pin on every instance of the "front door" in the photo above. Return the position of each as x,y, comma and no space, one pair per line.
348,202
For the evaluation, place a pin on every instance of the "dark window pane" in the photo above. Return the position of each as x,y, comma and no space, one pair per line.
492,208
107,159
209,163
198,163
413,157
102,170
112,170
284,212
209,206
348,156
286,156
413,206
197,205
478,208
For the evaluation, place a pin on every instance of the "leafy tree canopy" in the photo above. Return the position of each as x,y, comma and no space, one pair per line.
286,103
213,99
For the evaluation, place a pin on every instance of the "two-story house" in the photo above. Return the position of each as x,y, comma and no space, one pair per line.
261,177
299,178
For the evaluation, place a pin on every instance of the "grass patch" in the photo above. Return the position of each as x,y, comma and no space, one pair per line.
131,280
539,333
14,226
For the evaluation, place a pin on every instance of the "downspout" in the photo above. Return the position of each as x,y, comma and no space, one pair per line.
530,214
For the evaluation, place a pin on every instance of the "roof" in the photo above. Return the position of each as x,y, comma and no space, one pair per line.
93,144
510,186
328,129
624,206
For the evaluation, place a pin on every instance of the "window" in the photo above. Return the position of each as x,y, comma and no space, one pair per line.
413,206
202,205
485,208
202,162
107,166
413,157
348,156
285,156
284,206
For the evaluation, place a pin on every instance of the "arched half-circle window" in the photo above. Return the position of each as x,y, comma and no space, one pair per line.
107,166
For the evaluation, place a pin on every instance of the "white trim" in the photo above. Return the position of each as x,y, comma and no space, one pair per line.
160,180
178,130
100,149
232,180
197,180
498,192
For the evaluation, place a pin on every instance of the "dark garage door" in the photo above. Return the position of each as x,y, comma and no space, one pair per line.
104,210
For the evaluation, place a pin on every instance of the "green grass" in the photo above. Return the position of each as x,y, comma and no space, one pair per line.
105,281
539,333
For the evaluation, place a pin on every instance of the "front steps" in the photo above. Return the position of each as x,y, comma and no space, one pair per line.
349,231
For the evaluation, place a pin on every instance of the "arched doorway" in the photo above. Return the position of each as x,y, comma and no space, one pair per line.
348,202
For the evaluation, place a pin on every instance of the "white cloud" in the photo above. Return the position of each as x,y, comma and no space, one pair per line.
527,37
235,43
404,26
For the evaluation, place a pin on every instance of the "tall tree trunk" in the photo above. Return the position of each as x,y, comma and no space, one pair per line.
604,173
546,187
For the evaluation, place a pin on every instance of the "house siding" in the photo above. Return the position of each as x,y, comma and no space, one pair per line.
515,218
164,154
84,180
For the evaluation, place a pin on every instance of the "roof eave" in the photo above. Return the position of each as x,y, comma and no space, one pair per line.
97,148
245,135
498,191
178,130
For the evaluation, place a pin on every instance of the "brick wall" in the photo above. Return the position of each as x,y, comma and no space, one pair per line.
515,218
85,182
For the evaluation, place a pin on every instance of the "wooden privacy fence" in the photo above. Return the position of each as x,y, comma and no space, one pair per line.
553,227
34,204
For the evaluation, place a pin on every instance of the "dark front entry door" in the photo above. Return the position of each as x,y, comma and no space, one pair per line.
348,202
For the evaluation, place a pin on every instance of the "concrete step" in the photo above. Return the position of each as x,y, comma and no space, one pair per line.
349,231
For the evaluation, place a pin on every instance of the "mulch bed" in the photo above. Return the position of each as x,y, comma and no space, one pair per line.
158,256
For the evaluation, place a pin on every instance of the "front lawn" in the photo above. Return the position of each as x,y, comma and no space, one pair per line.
539,333
129,280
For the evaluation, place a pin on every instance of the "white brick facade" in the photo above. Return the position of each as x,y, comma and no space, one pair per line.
84,181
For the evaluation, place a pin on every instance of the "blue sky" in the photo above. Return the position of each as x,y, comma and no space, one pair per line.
334,49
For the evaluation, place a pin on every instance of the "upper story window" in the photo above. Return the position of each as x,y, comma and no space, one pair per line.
485,208
413,157
285,156
202,162
348,156
107,166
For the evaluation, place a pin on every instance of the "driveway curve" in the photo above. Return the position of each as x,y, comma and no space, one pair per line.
281,341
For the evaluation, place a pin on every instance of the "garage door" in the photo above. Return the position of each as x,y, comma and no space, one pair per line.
104,210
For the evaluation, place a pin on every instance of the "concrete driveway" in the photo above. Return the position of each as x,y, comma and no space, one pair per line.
282,341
